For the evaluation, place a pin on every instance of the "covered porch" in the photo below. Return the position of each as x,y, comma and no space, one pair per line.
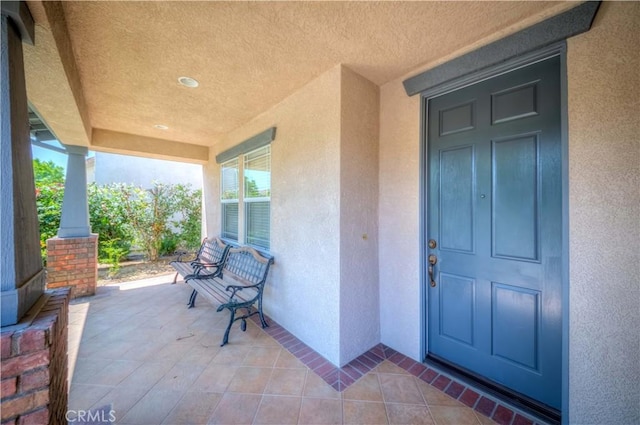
137,352
343,84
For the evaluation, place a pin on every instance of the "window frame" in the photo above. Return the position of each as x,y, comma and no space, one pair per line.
243,201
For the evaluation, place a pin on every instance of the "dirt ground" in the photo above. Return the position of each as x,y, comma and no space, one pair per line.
134,270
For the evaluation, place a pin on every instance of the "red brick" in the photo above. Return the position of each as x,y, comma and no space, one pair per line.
502,415
30,340
8,387
469,397
5,344
25,403
20,364
33,380
455,389
38,417
485,406
521,420
441,382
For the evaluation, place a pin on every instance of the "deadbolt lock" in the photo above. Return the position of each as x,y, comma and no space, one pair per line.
432,244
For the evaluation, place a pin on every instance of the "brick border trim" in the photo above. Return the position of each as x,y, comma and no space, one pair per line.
342,378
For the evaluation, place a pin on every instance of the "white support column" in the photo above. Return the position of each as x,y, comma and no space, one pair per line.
74,221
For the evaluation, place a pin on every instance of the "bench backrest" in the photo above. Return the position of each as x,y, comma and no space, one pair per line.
247,264
212,250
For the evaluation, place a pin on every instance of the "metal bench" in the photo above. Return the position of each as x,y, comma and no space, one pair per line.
210,256
237,285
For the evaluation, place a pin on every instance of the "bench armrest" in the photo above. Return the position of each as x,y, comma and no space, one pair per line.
235,288
182,254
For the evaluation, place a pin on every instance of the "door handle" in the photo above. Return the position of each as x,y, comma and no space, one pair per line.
432,262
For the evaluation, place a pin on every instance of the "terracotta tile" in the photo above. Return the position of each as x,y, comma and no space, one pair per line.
262,357
388,367
449,415
122,400
147,375
320,411
180,377
364,412
278,410
289,361
286,382
400,389
252,380
193,408
236,409
153,408
84,396
435,397
115,372
408,414
214,378
232,355
367,388
316,387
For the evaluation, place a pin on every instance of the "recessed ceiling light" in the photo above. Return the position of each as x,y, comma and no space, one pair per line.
161,127
188,82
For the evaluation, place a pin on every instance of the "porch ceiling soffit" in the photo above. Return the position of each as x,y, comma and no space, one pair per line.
110,68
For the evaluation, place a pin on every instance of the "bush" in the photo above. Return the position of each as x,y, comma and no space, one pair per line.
49,183
159,220
110,221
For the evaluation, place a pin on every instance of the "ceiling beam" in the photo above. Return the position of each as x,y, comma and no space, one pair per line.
131,144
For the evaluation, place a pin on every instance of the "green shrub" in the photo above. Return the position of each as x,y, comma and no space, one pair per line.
124,215
49,183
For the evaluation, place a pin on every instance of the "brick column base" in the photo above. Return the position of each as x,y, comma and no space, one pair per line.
73,262
34,365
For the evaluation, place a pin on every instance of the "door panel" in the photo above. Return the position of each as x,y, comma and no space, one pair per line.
494,208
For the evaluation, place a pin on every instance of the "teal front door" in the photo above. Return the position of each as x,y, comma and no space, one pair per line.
494,225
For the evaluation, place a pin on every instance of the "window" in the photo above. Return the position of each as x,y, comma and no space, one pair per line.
229,199
256,198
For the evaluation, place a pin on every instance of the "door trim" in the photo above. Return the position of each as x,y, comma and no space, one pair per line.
558,49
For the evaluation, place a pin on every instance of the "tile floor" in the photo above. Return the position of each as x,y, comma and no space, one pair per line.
136,347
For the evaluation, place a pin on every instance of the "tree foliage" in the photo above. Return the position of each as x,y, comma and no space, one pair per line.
157,221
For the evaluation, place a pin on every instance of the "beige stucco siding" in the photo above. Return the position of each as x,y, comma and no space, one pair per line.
399,220
604,206
359,295
303,290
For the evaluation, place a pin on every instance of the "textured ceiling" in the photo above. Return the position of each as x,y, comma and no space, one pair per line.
248,56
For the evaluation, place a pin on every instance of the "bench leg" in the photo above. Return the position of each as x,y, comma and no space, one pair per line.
232,316
175,279
262,321
192,299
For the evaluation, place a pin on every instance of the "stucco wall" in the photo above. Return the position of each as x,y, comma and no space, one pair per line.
304,288
604,204
604,208
359,296
399,220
